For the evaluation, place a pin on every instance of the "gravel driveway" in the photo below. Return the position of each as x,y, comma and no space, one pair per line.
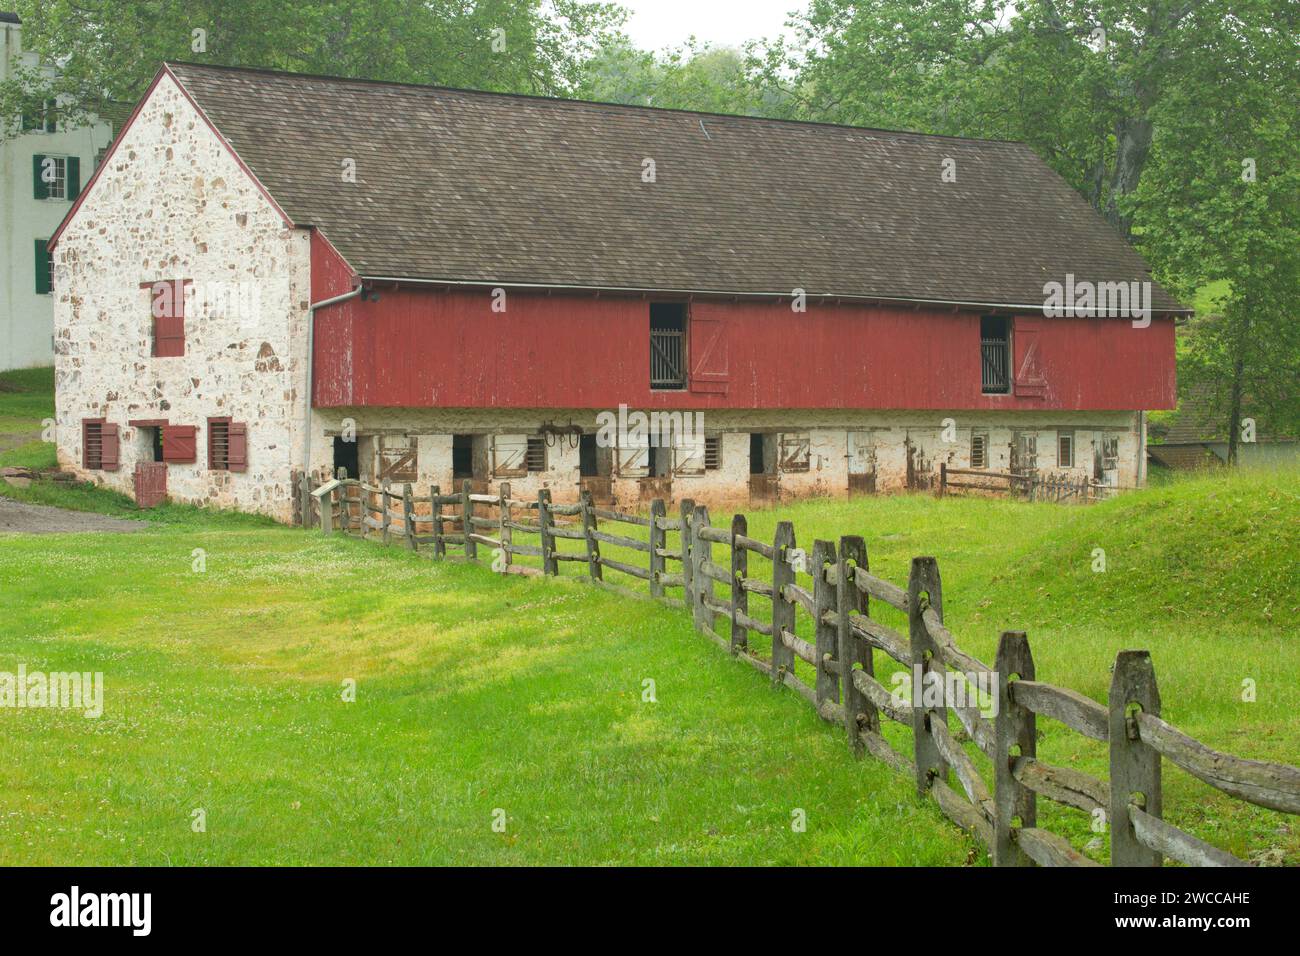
19,518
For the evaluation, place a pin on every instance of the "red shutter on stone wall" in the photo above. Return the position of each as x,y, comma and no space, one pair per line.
108,446
179,444
167,309
237,452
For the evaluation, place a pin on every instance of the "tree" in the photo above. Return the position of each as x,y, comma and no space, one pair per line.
109,50
1222,200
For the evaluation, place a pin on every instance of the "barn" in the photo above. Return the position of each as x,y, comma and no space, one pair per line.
272,273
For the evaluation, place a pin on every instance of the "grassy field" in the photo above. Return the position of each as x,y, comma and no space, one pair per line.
26,399
478,693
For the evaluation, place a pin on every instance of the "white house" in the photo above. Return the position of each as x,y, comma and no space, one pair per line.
41,173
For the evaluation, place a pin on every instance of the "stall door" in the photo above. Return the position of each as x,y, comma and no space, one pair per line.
862,464
150,483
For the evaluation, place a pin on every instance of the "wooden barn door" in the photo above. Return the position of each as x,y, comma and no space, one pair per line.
150,483
862,464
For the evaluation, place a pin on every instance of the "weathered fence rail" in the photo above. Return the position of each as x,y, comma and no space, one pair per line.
1034,486
843,687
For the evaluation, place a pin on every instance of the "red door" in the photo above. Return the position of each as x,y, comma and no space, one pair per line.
150,483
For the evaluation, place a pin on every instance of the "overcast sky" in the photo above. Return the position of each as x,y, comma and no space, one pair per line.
655,24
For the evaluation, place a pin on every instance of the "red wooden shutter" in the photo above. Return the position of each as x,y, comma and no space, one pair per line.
1029,381
169,336
179,444
108,446
237,450
710,371
167,306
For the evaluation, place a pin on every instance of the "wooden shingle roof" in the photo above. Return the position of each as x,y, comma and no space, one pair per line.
465,186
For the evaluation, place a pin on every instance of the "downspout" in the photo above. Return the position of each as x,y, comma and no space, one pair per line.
311,355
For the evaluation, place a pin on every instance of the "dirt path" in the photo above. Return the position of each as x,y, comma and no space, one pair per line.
19,518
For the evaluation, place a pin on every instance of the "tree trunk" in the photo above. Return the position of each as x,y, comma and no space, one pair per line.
1132,146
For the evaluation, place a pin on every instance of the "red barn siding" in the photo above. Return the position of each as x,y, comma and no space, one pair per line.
330,273
421,347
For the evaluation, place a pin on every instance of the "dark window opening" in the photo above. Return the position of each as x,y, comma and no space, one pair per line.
762,454
462,456
979,450
346,456
995,355
667,345
587,457
155,436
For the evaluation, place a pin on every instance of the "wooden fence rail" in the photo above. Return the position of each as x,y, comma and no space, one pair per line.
945,681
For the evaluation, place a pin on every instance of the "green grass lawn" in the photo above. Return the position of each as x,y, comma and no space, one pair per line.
26,399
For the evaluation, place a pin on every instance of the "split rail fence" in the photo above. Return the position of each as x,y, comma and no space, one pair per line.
835,670
1035,486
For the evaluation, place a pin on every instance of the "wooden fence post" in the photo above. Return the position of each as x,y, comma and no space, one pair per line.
859,712
782,608
1134,766
304,492
327,513
825,600
439,543
593,546
467,520
341,493
688,579
408,516
658,539
1016,735
943,478
924,580
739,596
386,500
701,551
504,515
545,521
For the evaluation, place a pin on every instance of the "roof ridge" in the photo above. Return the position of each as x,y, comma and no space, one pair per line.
602,103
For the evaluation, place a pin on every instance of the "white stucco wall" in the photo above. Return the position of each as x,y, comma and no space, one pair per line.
173,203
828,430
27,317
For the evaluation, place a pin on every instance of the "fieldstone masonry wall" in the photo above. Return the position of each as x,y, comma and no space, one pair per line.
173,203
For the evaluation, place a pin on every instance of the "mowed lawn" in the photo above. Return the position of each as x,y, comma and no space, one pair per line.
474,694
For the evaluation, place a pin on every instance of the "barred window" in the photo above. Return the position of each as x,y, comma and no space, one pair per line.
535,459
979,450
712,452
1065,450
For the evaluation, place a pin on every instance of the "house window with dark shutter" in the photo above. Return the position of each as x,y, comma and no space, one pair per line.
44,268
227,445
536,455
56,177
167,311
667,345
99,445
995,355
712,452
